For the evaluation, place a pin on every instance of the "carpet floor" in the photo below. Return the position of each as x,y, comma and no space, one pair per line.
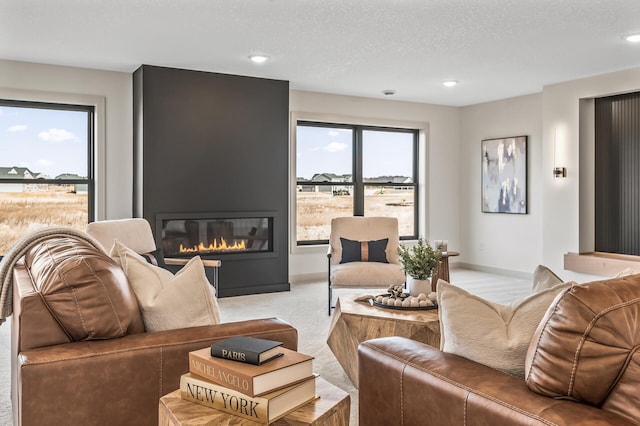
305,307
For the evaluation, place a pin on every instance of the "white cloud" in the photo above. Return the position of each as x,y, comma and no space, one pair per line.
333,133
17,128
56,135
44,163
336,146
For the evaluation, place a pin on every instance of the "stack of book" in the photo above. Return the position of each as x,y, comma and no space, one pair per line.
253,378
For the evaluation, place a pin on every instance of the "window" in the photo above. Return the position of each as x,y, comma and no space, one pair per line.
46,168
346,170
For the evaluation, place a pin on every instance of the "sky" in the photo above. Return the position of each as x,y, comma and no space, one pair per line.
329,150
46,141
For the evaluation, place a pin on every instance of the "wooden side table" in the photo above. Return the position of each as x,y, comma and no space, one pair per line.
332,408
442,271
354,322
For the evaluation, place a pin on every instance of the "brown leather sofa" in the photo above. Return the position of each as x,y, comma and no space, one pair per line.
582,368
80,354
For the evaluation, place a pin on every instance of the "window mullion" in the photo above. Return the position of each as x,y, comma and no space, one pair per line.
358,183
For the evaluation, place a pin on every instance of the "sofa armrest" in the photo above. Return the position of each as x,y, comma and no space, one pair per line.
119,381
402,381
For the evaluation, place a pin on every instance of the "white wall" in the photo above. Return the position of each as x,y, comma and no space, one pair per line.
441,160
510,242
507,242
561,210
114,89
562,197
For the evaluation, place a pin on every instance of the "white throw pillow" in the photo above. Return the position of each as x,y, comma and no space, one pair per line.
544,278
627,272
169,301
490,333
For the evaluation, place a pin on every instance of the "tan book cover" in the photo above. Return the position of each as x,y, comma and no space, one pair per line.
252,380
263,409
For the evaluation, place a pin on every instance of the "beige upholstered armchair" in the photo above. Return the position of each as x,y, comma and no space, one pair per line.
363,253
136,234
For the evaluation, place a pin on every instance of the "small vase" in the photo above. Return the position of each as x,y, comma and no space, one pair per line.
415,287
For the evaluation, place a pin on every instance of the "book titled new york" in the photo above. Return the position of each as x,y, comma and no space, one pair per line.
252,379
246,349
263,409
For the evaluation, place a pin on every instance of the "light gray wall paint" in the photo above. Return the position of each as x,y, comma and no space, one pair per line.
568,202
503,241
551,229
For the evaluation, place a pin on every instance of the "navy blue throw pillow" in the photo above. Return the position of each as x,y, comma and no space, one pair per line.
364,251
155,258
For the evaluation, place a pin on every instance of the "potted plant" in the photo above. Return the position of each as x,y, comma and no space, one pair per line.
418,262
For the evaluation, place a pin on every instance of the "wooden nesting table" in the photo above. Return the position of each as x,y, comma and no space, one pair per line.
332,408
354,322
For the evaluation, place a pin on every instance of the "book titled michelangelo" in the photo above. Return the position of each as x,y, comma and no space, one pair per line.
252,379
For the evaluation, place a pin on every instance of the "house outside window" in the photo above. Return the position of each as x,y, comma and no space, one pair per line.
354,170
46,168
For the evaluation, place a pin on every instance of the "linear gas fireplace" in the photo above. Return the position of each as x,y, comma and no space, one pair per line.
215,235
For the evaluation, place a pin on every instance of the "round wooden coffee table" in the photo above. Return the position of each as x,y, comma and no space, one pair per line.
354,322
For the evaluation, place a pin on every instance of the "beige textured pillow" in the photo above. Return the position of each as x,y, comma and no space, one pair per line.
627,272
544,278
490,333
169,301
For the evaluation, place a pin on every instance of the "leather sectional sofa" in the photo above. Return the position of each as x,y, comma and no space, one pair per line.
582,368
80,353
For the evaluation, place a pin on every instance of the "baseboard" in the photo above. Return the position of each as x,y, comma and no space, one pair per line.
491,270
322,276
243,291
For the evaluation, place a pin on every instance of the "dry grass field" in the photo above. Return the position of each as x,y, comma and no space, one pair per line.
24,212
315,210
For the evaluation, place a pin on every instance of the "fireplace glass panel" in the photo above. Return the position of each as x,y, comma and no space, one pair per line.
189,237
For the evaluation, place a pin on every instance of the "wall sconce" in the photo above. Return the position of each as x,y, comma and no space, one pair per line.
558,171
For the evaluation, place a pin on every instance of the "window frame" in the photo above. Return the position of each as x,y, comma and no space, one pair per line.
357,180
90,179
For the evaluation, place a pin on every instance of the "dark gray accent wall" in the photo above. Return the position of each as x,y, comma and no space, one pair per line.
212,143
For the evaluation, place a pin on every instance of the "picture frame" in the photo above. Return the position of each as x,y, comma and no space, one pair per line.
504,175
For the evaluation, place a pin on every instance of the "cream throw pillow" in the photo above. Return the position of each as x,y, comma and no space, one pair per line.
490,333
169,301
544,278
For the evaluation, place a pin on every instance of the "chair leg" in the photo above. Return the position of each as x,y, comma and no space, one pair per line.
329,280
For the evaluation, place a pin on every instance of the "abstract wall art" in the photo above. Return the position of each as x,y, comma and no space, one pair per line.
504,175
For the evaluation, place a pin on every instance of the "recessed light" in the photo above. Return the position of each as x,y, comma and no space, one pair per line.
259,59
633,38
450,83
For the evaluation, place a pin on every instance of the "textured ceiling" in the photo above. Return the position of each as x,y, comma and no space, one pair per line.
494,48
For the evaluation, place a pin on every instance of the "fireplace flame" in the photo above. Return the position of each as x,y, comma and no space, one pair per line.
215,246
